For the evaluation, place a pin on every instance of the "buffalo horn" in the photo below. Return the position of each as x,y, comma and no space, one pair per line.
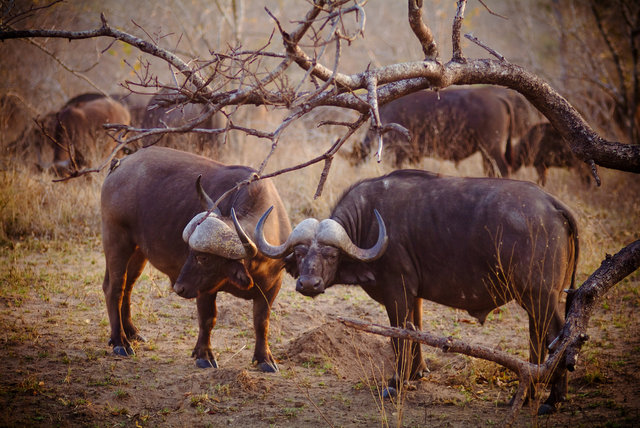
206,201
247,243
209,234
327,232
330,232
302,233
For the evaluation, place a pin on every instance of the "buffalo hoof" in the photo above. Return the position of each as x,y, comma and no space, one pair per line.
546,409
203,363
123,351
137,338
389,392
266,367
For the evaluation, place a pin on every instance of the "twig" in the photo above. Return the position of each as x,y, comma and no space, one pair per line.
372,98
475,40
323,177
492,12
66,67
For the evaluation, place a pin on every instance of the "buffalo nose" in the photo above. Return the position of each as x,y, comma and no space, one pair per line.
309,286
179,289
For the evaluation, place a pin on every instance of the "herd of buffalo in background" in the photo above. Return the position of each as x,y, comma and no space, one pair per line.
498,229
450,124
73,137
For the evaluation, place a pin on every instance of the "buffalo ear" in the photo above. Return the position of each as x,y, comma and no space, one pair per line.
238,275
291,265
355,273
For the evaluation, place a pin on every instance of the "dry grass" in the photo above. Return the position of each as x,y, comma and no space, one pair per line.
31,204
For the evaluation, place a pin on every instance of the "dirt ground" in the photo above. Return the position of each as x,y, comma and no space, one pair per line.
59,371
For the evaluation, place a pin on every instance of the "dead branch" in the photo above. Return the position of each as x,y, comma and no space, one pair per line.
106,31
376,124
455,32
422,31
583,301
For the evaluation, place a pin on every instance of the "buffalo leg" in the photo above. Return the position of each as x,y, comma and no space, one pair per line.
135,266
541,169
543,331
418,368
113,287
261,314
207,316
494,159
406,352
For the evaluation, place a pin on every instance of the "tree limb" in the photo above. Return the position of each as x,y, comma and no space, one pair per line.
455,32
422,32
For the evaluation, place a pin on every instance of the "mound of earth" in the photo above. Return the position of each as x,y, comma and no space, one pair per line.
349,353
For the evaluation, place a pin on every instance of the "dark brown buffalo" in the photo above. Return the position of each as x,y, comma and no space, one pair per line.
80,135
152,212
164,111
468,243
543,147
453,124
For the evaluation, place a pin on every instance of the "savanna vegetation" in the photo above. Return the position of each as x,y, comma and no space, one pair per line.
58,369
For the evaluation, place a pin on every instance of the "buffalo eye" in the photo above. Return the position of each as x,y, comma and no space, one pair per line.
301,251
202,259
330,254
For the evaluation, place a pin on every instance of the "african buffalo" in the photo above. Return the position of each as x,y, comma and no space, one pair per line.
136,104
543,147
80,136
151,211
453,124
468,243
164,111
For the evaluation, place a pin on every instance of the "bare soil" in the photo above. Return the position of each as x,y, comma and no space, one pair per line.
59,371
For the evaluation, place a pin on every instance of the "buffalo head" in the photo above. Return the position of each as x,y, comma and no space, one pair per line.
314,250
216,252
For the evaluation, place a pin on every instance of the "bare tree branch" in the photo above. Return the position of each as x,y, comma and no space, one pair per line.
422,32
106,31
455,32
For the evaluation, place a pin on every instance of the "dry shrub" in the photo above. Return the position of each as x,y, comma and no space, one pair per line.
31,204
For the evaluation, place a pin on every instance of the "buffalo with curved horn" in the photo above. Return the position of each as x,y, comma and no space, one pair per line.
151,212
312,237
468,243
